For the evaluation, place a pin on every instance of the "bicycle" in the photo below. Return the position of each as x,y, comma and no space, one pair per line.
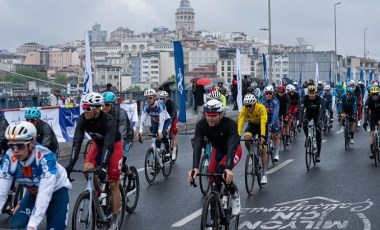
203,168
253,168
376,146
270,145
131,187
283,133
155,160
347,132
326,123
311,147
217,210
98,204
293,127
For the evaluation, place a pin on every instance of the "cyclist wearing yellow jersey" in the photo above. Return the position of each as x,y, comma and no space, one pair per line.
256,115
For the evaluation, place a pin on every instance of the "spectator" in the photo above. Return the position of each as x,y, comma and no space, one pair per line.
234,91
198,93
109,88
55,97
245,85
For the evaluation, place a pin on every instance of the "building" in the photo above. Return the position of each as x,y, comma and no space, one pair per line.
184,20
96,34
202,55
121,33
105,74
150,67
27,47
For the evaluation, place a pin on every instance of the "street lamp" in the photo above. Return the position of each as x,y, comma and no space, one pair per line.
270,43
336,55
364,42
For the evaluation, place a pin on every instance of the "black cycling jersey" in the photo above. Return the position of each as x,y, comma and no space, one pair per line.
171,108
294,99
313,108
223,137
102,130
372,108
46,136
284,104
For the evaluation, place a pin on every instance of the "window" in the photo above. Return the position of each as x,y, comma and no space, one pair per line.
103,77
116,77
228,62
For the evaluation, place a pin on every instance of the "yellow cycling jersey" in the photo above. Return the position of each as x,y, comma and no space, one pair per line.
257,116
223,100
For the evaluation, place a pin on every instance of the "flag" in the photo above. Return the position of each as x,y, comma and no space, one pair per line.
316,80
330,75
370,77
281,71
348,75
238,74
354,74
87,77
180,80
265,70
365,78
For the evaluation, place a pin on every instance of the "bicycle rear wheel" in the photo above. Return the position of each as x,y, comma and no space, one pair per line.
204,182
132,191
346,138
210,213
271,151
81,218
249,173
376,150
167,164
308,153
258,168
150,166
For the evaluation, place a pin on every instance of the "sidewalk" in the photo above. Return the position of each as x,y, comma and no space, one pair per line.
191,119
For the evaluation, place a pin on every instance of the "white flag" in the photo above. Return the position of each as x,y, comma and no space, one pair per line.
87,76
354,74
316,80
281,72
239,81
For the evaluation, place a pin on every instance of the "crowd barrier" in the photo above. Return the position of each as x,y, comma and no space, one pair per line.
61,119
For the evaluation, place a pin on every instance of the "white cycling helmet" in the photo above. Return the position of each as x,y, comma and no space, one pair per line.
213,106
292,88
163,94
249,99
215,95
93,99
295,83
20,131
288,87
352,82
327,87
149,92
269,88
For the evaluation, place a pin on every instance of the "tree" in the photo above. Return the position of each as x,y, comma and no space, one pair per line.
61,79
136,88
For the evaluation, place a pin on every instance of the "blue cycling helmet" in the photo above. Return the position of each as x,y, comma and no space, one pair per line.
109,97
339,84
32,113
369,86
350,90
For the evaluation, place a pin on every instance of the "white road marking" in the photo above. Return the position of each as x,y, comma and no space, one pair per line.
188,218
141,169
323,141
340,131
279,166
197,213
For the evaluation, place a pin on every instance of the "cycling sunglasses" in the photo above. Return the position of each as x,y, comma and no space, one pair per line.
19,145
89,109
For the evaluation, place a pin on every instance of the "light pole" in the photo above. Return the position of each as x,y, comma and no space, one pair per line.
364,42
269,54
336,55
270,43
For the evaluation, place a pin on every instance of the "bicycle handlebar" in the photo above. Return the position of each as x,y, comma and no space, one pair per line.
222,175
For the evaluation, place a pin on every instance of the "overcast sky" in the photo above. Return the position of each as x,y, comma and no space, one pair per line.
51,22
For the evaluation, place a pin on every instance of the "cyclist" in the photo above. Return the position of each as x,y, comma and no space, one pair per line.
226,151
358,95
329,101
107,152
257,117
284,100
294,102
320,88
273,107
312,108
372,114
172,110
339,91
45,134
34,167
222,97
161,121
349,107
122,124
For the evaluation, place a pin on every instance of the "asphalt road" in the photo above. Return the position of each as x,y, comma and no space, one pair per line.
341,192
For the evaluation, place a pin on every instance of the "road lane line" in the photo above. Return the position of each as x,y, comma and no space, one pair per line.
323,141
340,131
279,166
141,169
188,218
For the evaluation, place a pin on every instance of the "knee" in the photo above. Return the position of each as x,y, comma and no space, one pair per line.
114,185
88,166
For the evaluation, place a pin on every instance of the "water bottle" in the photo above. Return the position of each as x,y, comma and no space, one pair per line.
224,202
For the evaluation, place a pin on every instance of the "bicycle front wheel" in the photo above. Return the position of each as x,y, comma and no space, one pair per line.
83,218
204,182
210,213
109,210
308,156
376,150
132,191
167,164
249,173
150,166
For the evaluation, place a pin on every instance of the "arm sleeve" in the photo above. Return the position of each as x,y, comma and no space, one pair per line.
48,167
198,143
232,144
241,120
47,136
263,121
123,122
6,179
77,140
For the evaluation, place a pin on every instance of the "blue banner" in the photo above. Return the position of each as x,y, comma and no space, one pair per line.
330,75
67,121
180,80
348,74
265,70
371,77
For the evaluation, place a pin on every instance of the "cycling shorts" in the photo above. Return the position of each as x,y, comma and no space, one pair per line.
174,127
220,159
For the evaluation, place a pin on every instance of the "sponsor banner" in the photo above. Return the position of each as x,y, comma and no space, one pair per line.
67,121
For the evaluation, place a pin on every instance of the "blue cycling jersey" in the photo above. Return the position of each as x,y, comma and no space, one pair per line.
273,109
157,112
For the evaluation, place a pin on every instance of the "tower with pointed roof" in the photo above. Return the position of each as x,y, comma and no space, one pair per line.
184,20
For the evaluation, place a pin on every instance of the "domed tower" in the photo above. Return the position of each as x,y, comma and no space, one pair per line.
184,19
